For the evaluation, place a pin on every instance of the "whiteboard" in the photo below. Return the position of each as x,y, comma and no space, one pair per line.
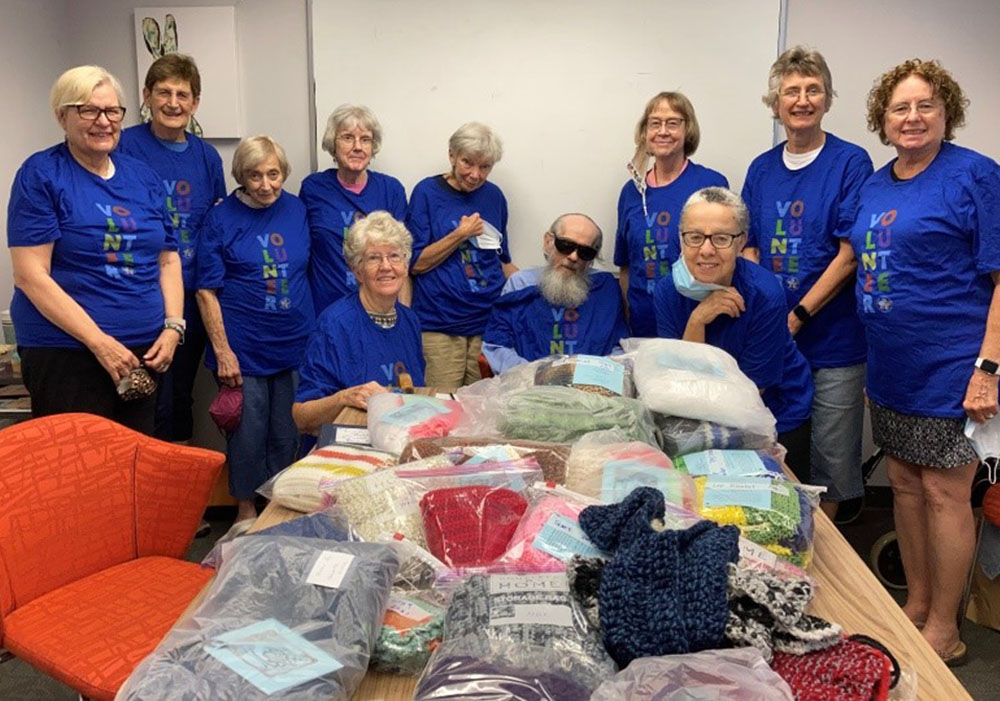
562,83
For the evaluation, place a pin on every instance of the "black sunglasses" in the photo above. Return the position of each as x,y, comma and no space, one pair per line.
566,247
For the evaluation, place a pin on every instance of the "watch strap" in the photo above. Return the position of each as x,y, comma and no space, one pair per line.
802,313
988,366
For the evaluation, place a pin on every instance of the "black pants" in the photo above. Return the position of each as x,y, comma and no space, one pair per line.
174,420
798,443
63,380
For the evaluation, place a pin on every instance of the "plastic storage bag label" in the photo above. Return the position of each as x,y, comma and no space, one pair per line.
562,538
415,409
531,614
754,492
405,614
271,656
598,371
734,463
620,477
330,569
513,583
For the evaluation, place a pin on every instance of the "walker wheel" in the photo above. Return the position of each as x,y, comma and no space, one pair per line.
886,562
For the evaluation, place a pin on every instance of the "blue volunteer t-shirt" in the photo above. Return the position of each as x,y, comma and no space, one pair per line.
649,242
332,209
192,182
926,247
758,339
107,237
348,349
526,322
256,260
455,298
797,219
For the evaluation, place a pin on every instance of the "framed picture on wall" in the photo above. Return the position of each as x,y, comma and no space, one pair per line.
208,34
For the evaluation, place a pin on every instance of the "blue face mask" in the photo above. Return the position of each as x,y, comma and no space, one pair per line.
685,283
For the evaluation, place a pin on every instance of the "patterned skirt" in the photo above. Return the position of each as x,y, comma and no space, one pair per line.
921,440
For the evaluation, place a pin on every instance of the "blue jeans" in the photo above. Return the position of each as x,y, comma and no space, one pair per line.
838,415
266,440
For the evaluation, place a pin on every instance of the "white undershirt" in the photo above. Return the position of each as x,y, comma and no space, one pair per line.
798,161
111,170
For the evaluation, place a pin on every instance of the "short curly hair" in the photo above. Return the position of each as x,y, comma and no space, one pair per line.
942,83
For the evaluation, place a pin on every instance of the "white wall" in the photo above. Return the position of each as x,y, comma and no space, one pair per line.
861,40
34,44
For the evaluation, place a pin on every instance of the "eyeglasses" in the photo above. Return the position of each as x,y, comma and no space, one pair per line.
566,247
812,92
374,260
350,140
924,108
92,112
672,125
695,239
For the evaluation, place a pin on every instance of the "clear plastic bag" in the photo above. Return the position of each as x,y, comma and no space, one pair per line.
773,513
302,485
697,381
604,466
380,504
470,511
266,631
589,373
740,674
680,436
563,414
548,536
396,419
330,524
551,457
516,636
411,629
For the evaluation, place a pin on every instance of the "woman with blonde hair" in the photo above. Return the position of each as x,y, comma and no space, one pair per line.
647,241
97,278
253,292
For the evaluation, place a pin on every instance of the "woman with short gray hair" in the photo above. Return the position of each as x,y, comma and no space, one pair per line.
253,293
365,342
337,197
460,255
801,195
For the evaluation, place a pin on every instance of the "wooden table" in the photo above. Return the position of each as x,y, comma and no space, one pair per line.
846,592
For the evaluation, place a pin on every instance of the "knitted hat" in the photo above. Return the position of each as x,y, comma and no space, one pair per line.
848,671
470,526
664,592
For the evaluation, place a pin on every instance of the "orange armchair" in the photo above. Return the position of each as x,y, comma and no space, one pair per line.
93,520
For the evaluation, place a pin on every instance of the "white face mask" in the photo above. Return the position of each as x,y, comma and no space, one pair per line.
685,283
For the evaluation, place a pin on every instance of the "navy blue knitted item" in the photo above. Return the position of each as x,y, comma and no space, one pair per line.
665,592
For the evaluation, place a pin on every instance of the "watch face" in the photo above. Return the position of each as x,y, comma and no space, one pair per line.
987,366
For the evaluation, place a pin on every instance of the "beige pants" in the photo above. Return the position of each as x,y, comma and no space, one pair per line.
452,361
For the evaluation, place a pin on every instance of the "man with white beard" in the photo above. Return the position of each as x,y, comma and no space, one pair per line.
561,308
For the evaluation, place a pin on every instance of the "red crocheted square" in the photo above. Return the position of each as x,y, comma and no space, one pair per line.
470,526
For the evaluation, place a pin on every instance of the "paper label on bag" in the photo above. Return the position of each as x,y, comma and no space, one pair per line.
599,372
562,538
271,656
415,410
514,583
752,551
531,614
330,569
733,463
754,492
404,614
620,477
